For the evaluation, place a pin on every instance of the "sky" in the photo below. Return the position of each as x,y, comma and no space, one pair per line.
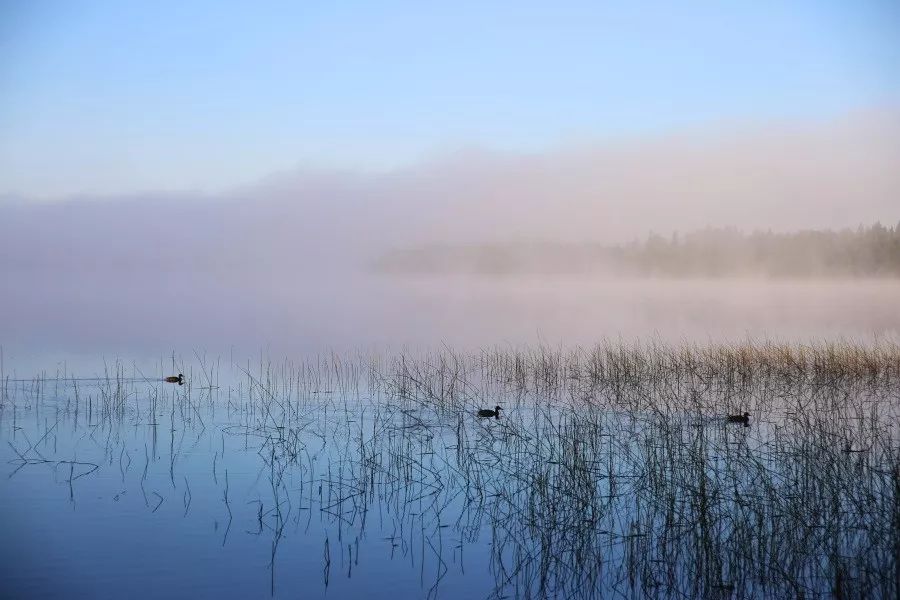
113,98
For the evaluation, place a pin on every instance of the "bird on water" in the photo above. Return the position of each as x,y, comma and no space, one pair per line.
173,379
486,412
743,419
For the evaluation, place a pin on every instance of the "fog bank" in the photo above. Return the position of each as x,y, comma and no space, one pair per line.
283,263
774,176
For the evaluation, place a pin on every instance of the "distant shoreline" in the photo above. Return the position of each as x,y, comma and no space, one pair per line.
864,253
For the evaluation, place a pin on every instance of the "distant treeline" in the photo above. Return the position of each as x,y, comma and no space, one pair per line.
863,252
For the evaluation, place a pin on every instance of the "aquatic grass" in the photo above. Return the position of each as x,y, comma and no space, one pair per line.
611,471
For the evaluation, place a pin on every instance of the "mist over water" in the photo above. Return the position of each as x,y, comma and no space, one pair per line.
146,316
473,300
286,263
328,438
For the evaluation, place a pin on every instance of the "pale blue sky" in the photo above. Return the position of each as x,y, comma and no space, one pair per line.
110,97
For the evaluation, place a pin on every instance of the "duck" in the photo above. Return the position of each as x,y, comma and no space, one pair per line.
486,412
743,419
173,379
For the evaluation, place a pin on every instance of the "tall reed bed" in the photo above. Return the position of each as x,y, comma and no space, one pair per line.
612,470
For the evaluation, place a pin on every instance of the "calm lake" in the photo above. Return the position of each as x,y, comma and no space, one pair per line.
344,458
81,318
610,472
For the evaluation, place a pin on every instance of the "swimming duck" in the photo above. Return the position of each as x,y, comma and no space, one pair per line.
744,419
486,412
172,379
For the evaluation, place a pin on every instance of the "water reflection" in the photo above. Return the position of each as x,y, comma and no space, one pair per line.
612,471
61,315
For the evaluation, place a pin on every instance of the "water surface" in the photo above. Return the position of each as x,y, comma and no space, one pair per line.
371,476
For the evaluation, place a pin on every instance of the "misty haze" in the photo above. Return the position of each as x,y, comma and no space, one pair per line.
311,261
463,302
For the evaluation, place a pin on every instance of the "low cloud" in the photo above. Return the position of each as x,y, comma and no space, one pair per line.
285,258
779,175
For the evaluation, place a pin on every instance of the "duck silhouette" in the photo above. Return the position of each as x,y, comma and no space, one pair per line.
486,412
173,379
743,419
